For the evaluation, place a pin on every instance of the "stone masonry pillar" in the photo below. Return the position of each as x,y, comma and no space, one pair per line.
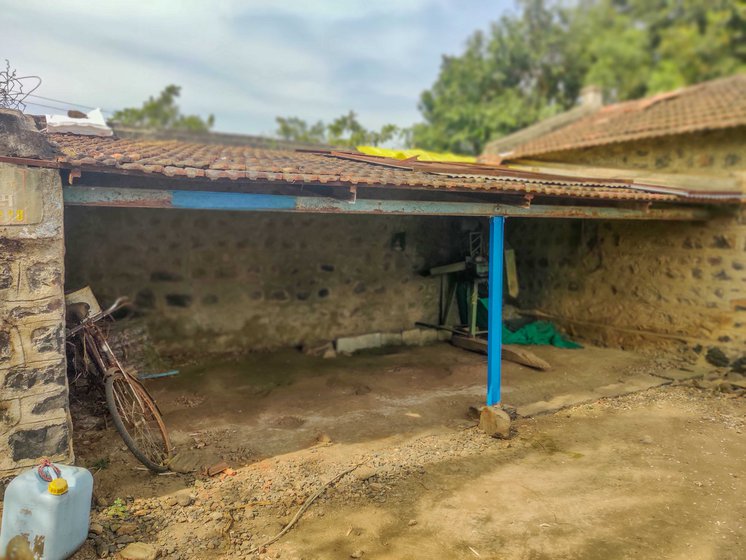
34,415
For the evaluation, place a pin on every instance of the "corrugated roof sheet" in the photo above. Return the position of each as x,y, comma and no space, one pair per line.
710,105
240,163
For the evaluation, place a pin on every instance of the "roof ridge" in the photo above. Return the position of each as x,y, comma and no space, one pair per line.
709,105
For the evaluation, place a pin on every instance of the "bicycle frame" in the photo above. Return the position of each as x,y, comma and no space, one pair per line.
134,412
96,346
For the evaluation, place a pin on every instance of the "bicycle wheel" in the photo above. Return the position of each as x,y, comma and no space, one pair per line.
138,421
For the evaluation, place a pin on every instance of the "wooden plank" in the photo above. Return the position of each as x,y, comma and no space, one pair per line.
685,183
510,352
470,343
448,268
513,353
511,273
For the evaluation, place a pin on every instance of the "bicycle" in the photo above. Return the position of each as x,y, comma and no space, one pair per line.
136,415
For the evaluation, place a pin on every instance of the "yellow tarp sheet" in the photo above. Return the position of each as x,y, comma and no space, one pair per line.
422,155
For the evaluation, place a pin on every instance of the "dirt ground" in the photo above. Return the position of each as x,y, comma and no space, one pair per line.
655,474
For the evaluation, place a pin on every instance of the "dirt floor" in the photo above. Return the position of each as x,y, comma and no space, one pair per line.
261,405
654,474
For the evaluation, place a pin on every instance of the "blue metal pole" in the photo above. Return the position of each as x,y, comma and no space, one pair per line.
495,311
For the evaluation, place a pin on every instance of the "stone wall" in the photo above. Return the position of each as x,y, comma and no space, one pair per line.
715,152
644,284
230,281
638,283
34,417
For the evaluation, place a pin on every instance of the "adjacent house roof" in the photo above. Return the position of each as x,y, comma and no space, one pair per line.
710,105
591,100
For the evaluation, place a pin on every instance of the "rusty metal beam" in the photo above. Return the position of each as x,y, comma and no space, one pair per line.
211,200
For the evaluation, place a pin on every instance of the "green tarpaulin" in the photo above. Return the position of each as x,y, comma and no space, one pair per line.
538,332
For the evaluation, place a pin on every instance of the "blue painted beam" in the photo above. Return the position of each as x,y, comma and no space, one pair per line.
207,200
212,200
495,310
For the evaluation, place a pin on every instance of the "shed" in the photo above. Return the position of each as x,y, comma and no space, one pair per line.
133,223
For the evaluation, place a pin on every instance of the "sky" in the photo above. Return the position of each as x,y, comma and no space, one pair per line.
247,61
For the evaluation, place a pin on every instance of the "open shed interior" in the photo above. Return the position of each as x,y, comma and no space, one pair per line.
231,299
220,282
245,264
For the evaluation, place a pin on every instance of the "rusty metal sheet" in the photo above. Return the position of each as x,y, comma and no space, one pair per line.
255,202
246,165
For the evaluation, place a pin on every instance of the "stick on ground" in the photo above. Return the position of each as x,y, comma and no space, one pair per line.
304,507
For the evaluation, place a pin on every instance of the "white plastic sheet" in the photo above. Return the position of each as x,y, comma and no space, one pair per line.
93,125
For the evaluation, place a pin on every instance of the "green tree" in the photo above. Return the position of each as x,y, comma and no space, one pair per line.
162,113
345,130
507,79
694,40
533,64
298,130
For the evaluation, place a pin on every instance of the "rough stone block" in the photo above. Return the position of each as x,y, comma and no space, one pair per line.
11,353
46,406
42,199
178,300
494,422
10,414
411,337
21,138
49,338
41,277
43,342
25,379
429,336
350,344
5,346
391,339
51,307
7,279
32,443
445,335
419,337
138,551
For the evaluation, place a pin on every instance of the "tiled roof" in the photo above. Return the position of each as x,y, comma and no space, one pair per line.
706,106
247,164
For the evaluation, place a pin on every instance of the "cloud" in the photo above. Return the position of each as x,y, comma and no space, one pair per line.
245,62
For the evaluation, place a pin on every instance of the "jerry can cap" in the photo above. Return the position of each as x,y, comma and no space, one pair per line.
58,487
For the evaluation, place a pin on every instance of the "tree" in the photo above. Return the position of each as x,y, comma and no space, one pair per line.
505,80
345,130
298,130
532,65
162,113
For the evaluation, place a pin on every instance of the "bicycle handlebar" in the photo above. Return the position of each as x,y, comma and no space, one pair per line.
118,304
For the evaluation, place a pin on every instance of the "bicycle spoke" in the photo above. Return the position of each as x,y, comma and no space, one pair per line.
139,420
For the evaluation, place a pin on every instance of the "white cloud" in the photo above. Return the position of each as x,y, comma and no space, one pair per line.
245,62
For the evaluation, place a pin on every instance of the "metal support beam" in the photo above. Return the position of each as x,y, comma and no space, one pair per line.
210,200
495,310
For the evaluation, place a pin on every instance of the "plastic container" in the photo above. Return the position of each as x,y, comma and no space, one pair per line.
52,516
